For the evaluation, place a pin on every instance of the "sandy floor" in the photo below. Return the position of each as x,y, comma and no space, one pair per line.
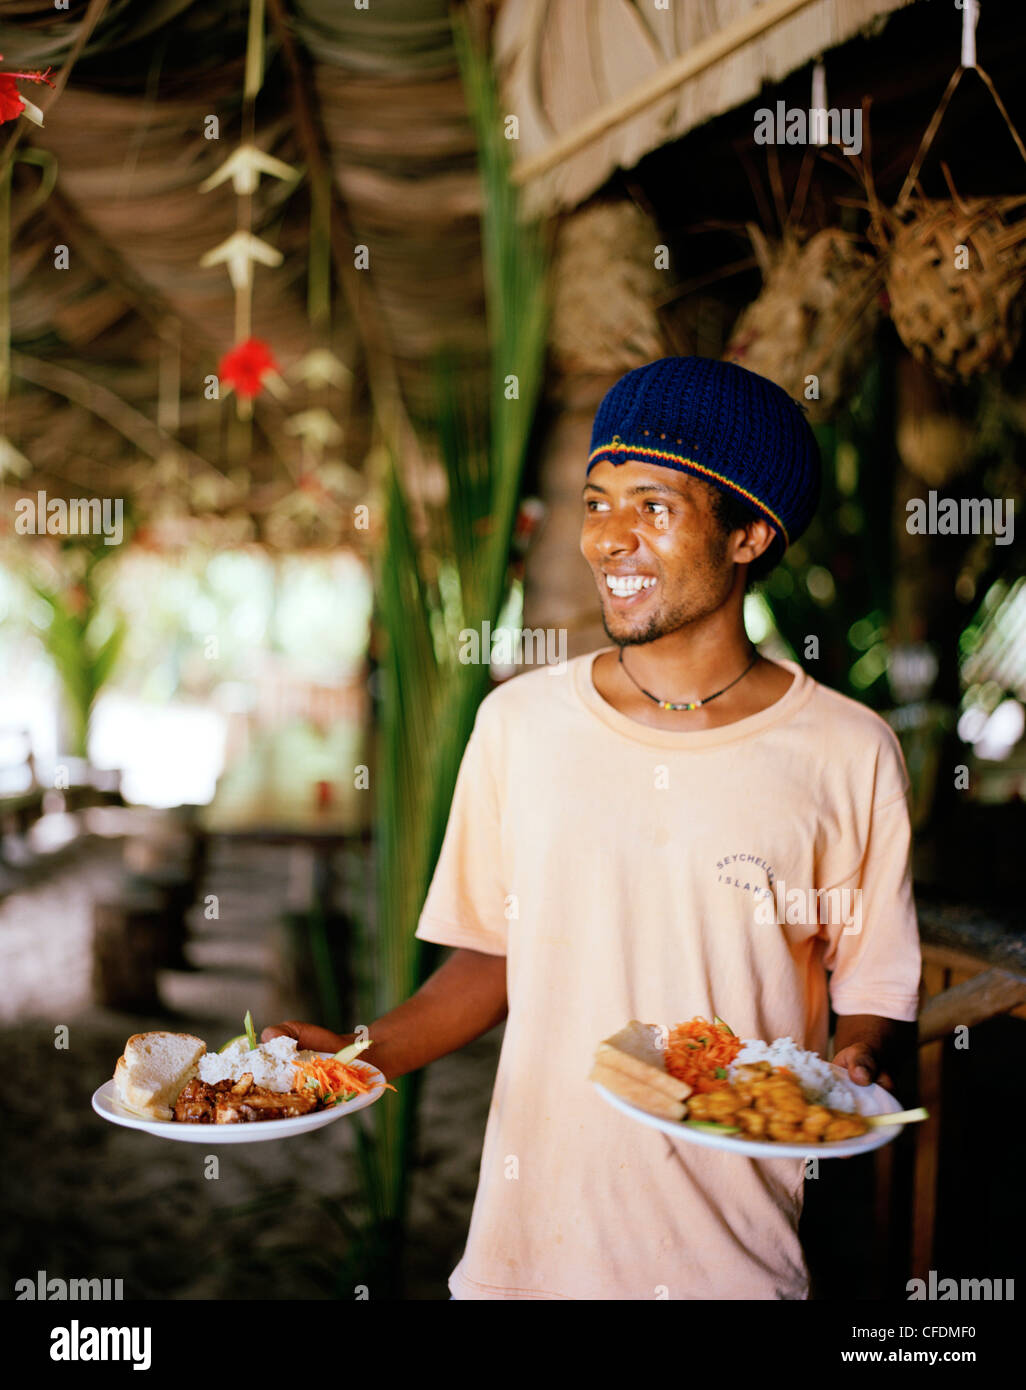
83,1198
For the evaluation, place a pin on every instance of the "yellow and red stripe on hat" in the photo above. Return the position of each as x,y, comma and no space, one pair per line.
661,455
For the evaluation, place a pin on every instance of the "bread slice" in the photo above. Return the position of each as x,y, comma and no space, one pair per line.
635,1051
638,1093
154,1069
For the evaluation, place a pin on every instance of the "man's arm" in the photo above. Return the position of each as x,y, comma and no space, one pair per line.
875,958
872,1048
465,997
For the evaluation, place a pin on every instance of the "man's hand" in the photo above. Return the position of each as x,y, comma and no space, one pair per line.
464,998
863,1066
869,1047
309,1035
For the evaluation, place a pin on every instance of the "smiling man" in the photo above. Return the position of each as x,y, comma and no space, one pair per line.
616,849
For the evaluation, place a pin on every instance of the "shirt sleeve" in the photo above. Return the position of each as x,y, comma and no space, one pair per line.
869,919
466,902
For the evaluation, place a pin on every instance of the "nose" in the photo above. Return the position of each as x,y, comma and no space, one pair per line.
616,535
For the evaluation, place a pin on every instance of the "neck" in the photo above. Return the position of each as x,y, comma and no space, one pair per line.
693,661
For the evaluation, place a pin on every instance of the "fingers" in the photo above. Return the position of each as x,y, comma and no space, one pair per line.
307,1035
281,1030
860,1063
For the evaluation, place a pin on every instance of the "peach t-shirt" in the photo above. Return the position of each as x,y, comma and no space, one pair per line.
627,872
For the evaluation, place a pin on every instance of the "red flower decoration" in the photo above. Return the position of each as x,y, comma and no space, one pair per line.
245,366
11,102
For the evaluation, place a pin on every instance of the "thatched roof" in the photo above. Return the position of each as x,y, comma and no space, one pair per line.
563,61
110,356
370,102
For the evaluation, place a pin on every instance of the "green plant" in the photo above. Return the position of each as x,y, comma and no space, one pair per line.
82,637
428,587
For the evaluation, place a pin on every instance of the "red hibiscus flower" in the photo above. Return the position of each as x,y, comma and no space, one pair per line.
245,366
11,102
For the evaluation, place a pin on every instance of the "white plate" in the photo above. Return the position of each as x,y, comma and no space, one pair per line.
107,1105
878,1102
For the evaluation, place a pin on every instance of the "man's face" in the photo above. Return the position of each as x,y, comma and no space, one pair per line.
643,522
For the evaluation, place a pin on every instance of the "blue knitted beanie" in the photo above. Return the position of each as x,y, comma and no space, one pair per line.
721,422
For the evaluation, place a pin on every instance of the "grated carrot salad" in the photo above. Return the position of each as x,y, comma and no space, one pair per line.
333,1081
696,1049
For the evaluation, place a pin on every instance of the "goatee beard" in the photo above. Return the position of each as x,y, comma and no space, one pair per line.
639,636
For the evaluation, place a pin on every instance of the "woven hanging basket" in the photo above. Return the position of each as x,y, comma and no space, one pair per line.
955,267
814,317
955,274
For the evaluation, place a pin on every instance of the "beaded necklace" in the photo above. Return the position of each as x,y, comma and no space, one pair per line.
692,704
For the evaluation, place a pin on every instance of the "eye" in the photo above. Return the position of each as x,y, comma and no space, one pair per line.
659,507
592,504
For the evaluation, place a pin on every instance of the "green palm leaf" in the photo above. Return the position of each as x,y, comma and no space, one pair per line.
428,588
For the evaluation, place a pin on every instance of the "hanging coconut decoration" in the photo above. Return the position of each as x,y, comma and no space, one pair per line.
811,328
956,268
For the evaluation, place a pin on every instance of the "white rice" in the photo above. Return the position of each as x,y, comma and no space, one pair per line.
820,1083
271,1063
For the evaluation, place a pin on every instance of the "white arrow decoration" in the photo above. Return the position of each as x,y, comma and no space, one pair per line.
238,253
317,428
320,367
244,168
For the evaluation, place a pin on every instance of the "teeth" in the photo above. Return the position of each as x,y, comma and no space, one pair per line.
623,585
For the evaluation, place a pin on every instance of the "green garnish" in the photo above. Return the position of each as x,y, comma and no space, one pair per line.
720,1074
247,1023
340,1098
717,1019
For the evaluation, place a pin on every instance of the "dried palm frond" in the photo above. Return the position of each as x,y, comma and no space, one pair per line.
814,317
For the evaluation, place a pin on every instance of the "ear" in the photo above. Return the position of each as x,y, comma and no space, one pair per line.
756,538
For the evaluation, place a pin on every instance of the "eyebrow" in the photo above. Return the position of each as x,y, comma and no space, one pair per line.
634,491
